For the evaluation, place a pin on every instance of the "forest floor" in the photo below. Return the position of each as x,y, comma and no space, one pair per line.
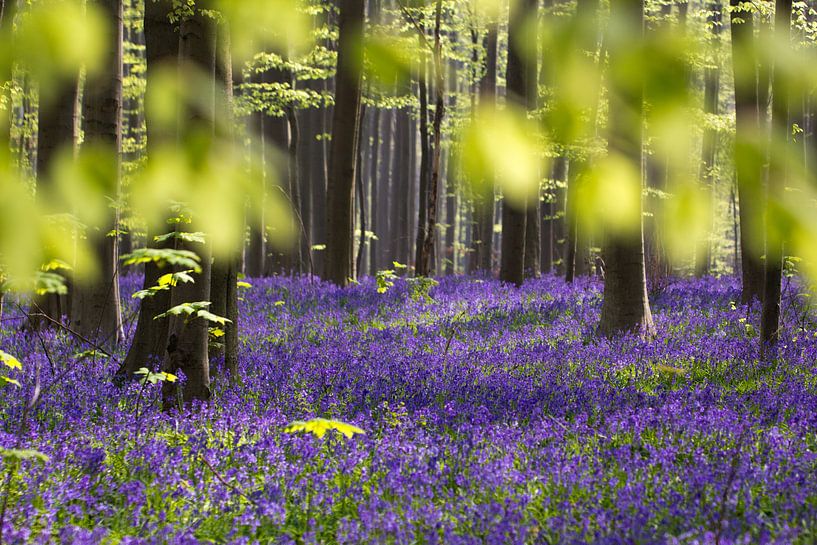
491,415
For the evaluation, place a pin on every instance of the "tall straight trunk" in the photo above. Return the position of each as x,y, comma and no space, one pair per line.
305,132
425,155
96,313
423,265
224,273
521,88
56,131
150,340
187,344
360,201
301,249
256,253
374,192
748,165
656,174
276,138
385,175
484,203
576,244
703,252
770,316
343,153
625,306
396,195
533,221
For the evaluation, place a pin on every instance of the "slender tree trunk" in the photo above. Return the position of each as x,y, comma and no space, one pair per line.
374,181
625,306
770,317
343,154
385,176
256,253
748,163
56,132
484,203
703,255
424,259
97,314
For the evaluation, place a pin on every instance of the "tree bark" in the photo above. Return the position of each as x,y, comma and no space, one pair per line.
343,152
423,265
770,315
521,88
187,342
748,163
150,339
703,255
97,314
625,306
483,236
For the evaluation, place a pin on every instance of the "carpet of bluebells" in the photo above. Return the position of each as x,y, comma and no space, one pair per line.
492,414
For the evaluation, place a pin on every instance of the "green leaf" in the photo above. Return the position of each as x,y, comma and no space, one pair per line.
319,426
242,284
56,264
162,256
197,236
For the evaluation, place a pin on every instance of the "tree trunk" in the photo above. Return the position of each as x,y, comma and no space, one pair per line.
256,254
483,237
343,153
187,343
150,340
748,163
96,312
424,261
521,88
56,131
703,255
385,176
625,306
770,316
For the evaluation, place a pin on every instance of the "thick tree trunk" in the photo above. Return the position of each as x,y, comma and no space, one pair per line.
625,306
96,313
748,164
521,87
343,154
770,316
187,342
150,340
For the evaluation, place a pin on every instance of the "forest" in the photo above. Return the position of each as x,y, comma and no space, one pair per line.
408,272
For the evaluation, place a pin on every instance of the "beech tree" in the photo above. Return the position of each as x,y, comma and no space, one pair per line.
96,309
150,339
521,78
343,152
625,306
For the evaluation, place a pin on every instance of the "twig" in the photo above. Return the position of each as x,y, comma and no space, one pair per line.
64,327
225,483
